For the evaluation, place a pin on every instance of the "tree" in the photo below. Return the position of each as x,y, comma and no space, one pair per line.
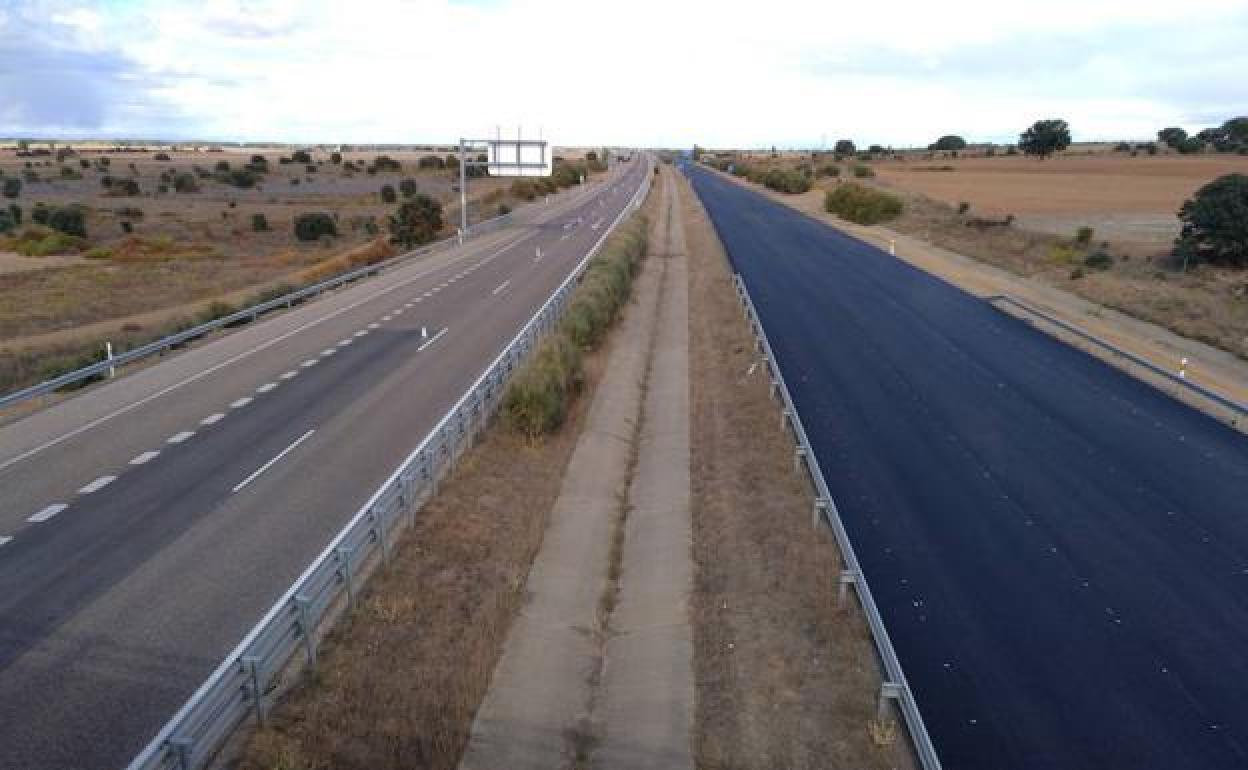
12,187
1215,223
845,147
1045,137
185,183
1231,136
387,193
408,187
300,156
335,157
312,225
416,221
1172,137
948,142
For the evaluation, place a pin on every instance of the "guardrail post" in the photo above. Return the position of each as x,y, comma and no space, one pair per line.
775,388
181,750
888,691
799,455
344,556
304,605
820,507
378,517
252,663
847,578
785,415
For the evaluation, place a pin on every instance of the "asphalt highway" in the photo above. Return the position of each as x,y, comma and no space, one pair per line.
1059,551
148,523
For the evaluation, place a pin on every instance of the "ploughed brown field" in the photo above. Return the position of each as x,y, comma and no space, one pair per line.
1124,198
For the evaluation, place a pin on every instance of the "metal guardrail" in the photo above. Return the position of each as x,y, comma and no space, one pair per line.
1218,398
241,686
107,365
895,687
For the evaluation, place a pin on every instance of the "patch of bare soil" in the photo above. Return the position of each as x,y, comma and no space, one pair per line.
785,678
398,682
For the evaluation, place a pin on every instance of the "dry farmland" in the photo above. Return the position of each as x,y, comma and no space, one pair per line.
1126,200
166,254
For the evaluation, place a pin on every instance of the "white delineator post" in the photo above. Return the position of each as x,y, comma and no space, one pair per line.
1183,369
112,370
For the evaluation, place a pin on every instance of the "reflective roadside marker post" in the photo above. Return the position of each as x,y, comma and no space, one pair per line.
112,370
424,333
1182,368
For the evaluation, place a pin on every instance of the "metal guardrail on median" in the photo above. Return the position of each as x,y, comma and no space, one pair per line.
106,366
1218,398
895,687
241,686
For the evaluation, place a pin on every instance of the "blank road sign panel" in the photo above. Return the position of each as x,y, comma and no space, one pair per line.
520,157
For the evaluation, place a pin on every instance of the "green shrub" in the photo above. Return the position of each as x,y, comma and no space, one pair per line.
1098,260
239,177
1083,236
862,172
161,156
129,212
387,194
12,187
185,183
1215,223
300,156
335,157
42,242
832,171
537,399
963,207
259,223
862,205
312,225
408,187
70,220
431,162
524,189
6,221
216,309
417,220
785,181
15,213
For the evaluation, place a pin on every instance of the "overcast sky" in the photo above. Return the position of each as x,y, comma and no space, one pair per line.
632,72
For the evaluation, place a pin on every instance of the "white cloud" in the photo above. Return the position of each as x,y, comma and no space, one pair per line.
651,72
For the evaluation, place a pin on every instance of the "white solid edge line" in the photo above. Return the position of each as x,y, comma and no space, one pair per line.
213,419
501,287
97,485
178,438
270,463
238,357
41,516
242,402
146,457
433,339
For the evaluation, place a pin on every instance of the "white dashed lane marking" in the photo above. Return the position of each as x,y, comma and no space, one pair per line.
5,539
372,326
344,343
212,419
308,363
328,352
178,438
43,515
288,375
362,333
144,458
501,287
242,402
97,485
266,387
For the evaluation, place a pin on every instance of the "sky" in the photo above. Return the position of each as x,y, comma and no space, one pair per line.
733,73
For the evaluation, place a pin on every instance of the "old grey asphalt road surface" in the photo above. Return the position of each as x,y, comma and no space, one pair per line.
145,525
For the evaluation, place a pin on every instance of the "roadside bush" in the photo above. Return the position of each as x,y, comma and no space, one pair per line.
300,156
1215,223
539,395
524,189
185,183
313,225
963,207
161,156
408,187
825,171
384,163
221,165
15,213
786,181
129,212
259,223
862,205
335,157
431,162
862,172
123,187
239,177
6,221
42,242
12,187
1099,260
70,220
417,221
1083,236
387,194
40,214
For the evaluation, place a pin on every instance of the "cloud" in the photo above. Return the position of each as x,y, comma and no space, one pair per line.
653,72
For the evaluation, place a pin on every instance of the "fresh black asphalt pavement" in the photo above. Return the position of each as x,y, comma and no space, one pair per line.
1059,551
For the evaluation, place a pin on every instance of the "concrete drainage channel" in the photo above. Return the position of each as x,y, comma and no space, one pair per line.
895,690
246,682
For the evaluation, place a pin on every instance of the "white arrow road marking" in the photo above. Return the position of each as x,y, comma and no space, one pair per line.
270,463
43,515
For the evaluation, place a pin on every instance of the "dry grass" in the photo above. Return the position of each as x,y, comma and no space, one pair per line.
398,683
785,679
